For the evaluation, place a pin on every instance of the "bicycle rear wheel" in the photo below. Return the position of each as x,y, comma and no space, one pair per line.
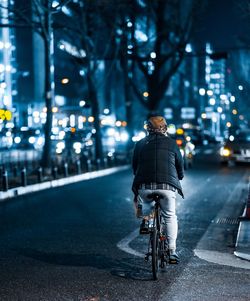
155,253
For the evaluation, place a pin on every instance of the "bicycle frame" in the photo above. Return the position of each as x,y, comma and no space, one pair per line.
156,247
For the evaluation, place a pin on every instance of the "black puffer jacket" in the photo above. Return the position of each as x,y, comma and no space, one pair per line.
157,159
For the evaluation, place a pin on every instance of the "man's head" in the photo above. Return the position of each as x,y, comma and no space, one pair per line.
157,124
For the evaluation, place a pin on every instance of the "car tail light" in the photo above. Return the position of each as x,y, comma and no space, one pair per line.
179,142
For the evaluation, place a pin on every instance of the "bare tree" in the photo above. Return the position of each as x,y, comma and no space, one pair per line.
38,15
162,29
94,40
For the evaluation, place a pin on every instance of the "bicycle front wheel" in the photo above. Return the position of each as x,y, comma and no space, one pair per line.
155,253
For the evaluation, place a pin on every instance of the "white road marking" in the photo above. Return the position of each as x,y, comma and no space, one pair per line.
242,255
215,256
210,256
124,244
222,258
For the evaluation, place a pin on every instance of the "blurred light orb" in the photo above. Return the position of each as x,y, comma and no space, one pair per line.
223,97
65,81
145,94
202,91
32,140
219,110
153,55
55,4
124,136
188,48
212,101
231,138
240,87
228,124
17,140
232,98
82,103
210,92
234,111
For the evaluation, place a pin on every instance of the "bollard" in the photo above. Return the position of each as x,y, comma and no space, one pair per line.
65,169
23,177
98,163
5,180
89,167
54,172
105,162
15,171
78,167
39,174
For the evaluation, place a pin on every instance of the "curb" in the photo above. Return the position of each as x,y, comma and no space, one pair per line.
242,246
14,192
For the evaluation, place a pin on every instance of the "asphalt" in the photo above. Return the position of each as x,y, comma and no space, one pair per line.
242,247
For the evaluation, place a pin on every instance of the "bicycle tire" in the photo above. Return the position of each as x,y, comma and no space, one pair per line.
155,253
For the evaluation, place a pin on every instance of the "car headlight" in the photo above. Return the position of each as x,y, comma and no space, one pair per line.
225,152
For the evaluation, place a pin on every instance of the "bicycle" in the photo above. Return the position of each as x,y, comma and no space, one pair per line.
157,246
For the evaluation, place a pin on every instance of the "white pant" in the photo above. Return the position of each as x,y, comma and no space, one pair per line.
169,218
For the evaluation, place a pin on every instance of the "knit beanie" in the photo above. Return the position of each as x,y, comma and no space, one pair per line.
157,124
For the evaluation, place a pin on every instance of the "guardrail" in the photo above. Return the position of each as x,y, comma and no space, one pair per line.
21,175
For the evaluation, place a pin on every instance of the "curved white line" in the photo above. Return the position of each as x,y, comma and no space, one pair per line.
124,244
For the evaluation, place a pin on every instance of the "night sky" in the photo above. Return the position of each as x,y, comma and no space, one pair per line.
223,23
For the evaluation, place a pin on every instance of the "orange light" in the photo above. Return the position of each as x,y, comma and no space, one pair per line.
73,130
179,142
124,123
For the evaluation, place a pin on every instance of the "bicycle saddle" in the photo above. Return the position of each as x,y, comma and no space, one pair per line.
155,196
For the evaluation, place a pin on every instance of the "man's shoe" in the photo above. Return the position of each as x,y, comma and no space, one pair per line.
173,257
144,227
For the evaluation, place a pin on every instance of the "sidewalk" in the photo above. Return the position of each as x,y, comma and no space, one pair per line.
5,195
242,247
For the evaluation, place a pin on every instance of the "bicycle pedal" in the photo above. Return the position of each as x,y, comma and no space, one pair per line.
144,231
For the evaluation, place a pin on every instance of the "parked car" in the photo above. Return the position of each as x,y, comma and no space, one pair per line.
236,148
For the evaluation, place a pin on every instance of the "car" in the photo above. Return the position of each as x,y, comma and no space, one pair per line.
236,148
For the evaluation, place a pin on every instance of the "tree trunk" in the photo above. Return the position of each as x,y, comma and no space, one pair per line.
49,87
95,113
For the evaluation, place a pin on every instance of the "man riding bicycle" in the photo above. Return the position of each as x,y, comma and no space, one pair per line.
158,167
